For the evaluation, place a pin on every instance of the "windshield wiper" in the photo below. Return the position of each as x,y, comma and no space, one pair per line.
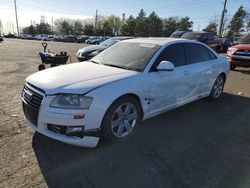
96,62
117,66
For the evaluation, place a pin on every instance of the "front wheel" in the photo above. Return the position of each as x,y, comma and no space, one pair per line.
121,118
217,87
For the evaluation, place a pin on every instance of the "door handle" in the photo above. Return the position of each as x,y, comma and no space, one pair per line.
186,72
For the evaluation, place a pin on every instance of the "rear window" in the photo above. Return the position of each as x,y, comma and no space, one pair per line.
192,36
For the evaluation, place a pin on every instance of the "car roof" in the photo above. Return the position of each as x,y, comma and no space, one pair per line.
155,40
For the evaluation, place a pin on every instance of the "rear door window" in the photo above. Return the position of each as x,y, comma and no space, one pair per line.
198,53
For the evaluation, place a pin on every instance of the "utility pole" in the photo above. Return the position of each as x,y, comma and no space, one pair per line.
52,24
222,18
16,19
96,18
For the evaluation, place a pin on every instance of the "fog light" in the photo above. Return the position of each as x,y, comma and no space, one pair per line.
74,129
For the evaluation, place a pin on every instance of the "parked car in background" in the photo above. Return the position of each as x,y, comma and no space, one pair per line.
178,34
1,38
225,43
90,39
40,37
82,39
99,40
131,81
66,39
49,38
204,37
239,55
10,36
88,52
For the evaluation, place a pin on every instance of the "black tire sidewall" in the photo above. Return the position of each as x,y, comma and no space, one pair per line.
232,67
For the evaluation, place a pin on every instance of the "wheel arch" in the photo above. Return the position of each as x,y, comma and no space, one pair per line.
136,97
224,75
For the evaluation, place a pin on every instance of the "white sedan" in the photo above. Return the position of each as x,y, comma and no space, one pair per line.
129,82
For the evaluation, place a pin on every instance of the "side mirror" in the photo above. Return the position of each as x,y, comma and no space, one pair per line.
165,66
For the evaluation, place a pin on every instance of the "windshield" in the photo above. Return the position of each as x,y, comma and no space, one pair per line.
127,55
109,42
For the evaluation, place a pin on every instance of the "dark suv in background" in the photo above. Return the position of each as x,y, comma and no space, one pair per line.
178,34
205,37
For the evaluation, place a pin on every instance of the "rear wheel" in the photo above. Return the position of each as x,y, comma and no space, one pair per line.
121,118
218,87
41,67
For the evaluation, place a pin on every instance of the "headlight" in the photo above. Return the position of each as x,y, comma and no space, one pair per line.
231,50
72,101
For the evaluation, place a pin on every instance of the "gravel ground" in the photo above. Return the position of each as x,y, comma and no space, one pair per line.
202,144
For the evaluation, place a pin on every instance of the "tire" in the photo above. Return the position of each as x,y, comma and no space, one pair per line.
232,67
218,87
41,67
121,119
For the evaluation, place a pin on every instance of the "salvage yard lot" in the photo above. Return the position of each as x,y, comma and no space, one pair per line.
202,144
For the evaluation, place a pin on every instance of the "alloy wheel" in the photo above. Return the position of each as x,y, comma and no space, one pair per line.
124,119
218,87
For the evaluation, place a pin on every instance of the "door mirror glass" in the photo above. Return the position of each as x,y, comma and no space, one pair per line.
165,66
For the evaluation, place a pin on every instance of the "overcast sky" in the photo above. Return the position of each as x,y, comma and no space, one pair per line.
199,11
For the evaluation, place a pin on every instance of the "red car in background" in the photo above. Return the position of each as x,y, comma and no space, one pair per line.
239,55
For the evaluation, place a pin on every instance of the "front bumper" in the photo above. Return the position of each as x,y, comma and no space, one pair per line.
86,141
240,61
61,117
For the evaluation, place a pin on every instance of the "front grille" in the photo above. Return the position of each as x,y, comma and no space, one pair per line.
31,104
32,98
243,53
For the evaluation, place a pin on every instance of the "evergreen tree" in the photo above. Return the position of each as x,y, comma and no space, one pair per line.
31,30
184,24
211,27
154,25
237,22
169,26
88,29
141,26
43,28
77,28
128,28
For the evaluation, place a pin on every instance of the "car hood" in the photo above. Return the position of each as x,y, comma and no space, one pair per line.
242,46
92,48
77,77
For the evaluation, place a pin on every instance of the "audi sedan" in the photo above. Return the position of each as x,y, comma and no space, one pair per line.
129,82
